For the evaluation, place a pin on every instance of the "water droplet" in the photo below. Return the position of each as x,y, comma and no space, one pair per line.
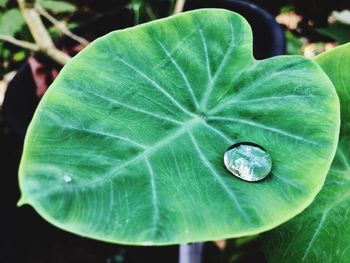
67,178
248,161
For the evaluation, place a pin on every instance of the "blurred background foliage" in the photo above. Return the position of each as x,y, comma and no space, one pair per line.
311,26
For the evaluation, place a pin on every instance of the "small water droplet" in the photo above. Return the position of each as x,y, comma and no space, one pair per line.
67,178
248,161
202,116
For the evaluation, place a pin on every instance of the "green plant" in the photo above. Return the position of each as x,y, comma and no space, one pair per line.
13,21
127,145
322,232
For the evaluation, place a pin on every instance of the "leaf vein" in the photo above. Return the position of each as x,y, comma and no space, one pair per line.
251,87
261,126
115,102
212,83
180,70
155,217
156,85
221,134
289,183
205,47
217,177
100,133
343,158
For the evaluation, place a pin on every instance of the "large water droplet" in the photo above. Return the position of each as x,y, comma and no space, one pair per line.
248,161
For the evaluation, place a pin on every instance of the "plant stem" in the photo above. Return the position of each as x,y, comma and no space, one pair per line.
20,43
136,7
179,6
39,32
60,26
150,12
191,253
171,7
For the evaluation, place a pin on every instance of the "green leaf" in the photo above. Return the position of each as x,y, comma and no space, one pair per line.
5,53
294,44
287,9
338,31
57,6
11,22
127,145
3,3
322,232
18,56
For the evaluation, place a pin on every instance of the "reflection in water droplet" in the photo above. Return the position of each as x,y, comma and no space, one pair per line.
248,161
67,178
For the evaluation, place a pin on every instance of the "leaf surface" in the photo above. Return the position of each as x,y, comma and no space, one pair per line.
322,232
127,145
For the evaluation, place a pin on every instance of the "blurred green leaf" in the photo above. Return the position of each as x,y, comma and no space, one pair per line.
57,6
6,53
294,44
3,3
11,22
338,31
18,56
287,9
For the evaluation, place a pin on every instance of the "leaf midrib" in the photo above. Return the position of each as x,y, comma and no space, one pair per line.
144,154
185,126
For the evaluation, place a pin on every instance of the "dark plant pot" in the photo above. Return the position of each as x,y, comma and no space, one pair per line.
22,98
268,35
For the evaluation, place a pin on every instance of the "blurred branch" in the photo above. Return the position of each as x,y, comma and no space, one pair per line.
60,26
20,43
42,38
179,6
4,84
136,6
150,12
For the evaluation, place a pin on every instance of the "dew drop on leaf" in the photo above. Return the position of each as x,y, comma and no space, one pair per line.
248,161
67,178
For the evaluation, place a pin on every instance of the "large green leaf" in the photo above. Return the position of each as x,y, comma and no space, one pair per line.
128,144
322,232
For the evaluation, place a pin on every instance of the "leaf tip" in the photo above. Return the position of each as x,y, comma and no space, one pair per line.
22,201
